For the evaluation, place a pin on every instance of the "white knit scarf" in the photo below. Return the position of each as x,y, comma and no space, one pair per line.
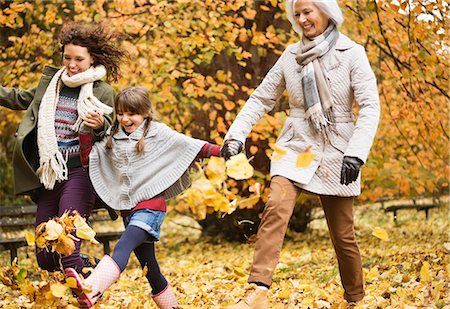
52,163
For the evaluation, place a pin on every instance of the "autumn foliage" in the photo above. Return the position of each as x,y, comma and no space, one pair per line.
201,59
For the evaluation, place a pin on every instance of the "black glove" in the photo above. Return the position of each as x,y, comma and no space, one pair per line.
350,169
230,148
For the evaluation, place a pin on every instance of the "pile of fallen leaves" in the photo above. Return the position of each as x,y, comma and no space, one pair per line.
56,235
406,265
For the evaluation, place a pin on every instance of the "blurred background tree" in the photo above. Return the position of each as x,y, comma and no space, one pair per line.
201,59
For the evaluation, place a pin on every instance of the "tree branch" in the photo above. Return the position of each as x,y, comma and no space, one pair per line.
386,41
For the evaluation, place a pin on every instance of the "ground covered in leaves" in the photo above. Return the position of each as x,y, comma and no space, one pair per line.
406,265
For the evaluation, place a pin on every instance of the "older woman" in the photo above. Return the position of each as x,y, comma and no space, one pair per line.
324,74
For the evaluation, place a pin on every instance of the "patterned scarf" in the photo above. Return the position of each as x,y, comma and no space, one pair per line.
52,163
317,101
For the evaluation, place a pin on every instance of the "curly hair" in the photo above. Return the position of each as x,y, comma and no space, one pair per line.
103,44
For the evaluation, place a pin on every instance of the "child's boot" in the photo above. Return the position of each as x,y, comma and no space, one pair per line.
166,299
90,289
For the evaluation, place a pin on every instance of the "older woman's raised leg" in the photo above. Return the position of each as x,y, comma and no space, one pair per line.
339,215
275,219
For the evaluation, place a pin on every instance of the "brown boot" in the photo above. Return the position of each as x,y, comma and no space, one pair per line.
253,298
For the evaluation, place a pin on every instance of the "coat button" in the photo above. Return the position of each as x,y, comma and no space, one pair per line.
32,118
16,134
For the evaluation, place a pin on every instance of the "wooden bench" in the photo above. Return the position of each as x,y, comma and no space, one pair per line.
395,206
22,217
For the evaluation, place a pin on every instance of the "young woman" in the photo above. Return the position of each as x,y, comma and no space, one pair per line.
47,162
138,165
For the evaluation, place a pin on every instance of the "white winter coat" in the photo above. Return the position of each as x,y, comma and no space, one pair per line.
351,79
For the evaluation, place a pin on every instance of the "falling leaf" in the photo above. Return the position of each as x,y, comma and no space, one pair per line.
305,158
53,230
83,230
144,271
256,188
238,167
20,277
380,233
58,289
215,170
65,245
71,282
29,237
232,206
278,152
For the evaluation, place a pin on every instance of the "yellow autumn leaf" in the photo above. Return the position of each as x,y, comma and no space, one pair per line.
58,289
239,271
71,282
64,246
380,233
83,230
144,271
278,152
218,202
285,293
232,206
53,230
40,241
304,287
425,273
305,158
215,170
256,188
372,274
29,237
238,167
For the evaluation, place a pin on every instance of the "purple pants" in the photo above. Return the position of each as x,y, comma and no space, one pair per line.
76,193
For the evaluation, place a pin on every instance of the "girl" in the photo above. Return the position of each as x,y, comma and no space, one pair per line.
134,169
47,163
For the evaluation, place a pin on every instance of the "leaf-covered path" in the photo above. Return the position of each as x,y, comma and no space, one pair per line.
410,270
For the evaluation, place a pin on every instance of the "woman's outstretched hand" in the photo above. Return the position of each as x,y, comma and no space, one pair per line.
231,147
94,120
350,169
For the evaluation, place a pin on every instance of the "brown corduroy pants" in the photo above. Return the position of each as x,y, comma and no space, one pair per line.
339,215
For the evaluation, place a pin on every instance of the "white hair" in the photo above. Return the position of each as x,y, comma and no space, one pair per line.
329,7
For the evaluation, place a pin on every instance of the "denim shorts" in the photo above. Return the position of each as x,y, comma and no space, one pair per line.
147,219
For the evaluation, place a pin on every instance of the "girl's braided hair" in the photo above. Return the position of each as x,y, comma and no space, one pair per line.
102,42
134,100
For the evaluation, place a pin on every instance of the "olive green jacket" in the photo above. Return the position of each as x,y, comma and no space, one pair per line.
26,155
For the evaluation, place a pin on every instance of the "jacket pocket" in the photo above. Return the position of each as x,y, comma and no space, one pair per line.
287,133
344,133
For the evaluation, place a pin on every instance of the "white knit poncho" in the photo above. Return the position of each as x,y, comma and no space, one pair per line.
122,178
